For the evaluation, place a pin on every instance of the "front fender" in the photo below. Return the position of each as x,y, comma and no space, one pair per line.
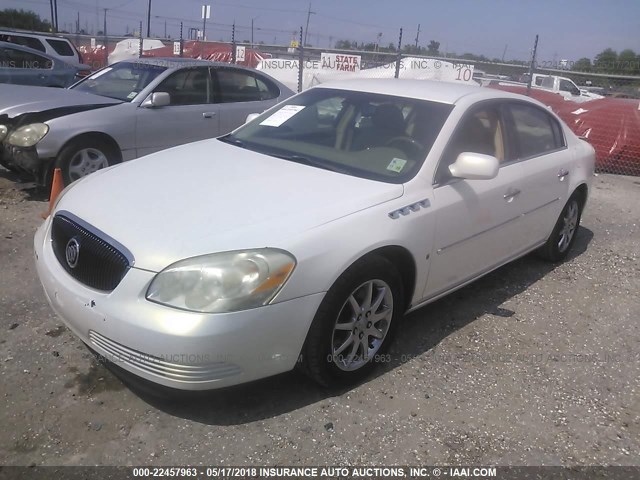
117,121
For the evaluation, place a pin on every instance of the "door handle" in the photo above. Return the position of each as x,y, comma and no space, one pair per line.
511,194
563,173
209,114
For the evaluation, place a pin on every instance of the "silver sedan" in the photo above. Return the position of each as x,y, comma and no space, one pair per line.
125,111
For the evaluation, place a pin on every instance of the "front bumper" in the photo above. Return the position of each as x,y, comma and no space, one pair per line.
175,348
26,160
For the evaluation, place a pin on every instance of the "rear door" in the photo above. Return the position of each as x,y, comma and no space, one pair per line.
25,68
546,164
240,92
191,115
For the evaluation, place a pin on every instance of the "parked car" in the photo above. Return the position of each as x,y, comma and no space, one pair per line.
302,238
53,45
127,110
26,66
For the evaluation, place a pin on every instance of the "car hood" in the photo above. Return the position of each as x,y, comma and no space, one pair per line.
19,99
209,197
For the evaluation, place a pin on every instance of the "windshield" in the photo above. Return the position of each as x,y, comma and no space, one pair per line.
122,81
374,136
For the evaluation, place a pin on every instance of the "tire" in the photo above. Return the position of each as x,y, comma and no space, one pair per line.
84,156
564,233
328,355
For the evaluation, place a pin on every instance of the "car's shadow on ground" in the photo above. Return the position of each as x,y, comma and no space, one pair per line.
421,332
26,184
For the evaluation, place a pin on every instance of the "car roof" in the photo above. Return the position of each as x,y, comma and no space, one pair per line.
177,62
27,33
431,90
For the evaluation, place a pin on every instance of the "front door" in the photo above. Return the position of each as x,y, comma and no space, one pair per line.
190,116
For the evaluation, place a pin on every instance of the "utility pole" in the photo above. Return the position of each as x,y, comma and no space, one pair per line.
148,20
78,23
252,33
106,49
165,29
52,15
532,65
306,30
417,36
206,13
55,11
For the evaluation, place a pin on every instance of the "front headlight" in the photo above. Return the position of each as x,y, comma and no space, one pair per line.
223,282
28,135
3,132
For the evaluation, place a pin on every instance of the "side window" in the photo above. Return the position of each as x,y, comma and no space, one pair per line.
13,58
268,90
536,131
24,41
188,87
61,47
480,131
241,86
569,87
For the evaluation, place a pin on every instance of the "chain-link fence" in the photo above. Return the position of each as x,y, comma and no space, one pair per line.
602,108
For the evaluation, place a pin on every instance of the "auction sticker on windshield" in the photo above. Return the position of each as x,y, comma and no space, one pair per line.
396,165
282,115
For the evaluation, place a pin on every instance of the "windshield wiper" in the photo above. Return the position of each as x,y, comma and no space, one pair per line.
233,141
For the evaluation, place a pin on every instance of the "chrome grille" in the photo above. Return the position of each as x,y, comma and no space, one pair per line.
100,264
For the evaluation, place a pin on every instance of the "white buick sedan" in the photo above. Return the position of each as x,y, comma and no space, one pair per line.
303,237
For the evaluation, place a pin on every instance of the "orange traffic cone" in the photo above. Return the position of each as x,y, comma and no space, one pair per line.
57,185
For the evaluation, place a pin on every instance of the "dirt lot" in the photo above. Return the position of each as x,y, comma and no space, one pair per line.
531,365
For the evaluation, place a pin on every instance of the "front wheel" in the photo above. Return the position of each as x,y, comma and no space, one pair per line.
565,231
84,156
355,323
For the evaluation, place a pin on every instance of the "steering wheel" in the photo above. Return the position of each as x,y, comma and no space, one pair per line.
399,141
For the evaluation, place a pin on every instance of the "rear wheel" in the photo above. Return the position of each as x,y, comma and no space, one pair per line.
565,231
355,323
84,156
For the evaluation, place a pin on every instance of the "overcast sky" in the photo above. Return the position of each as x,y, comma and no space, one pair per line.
568,29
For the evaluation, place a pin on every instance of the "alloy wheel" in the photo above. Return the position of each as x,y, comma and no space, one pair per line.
362,325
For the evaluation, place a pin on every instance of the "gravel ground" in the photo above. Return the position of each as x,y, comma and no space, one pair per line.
532,365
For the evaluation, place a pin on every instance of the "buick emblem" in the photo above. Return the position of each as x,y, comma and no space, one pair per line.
72,253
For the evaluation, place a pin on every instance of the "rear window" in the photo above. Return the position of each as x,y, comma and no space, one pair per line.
30,42
61,47
536,131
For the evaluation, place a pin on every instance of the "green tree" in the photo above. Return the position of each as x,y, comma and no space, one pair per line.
433,48
343,45
628,62
27,20
582,65
606,61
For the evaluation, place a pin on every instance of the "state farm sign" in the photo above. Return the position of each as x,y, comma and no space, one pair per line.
340,62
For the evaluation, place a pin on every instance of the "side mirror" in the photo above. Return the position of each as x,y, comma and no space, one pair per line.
475,166
156,100
251,117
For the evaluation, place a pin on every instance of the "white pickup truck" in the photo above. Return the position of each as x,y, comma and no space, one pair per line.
563,86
